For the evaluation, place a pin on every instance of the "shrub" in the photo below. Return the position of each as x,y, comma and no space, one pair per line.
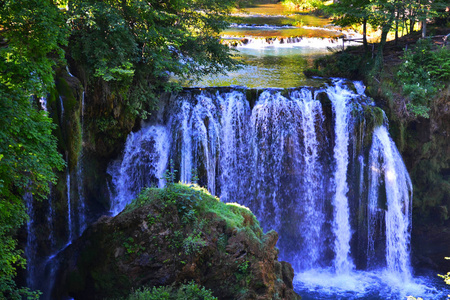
422,73
189,291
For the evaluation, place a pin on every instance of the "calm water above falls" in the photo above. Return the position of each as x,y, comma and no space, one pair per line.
266,67
308,167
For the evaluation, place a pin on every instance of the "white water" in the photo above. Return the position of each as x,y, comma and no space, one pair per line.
145,161
43,102
287,42
341,224
234,152
386,162
311,116
69,207
61,116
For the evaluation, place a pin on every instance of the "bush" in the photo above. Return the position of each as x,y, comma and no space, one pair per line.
422,73
190,291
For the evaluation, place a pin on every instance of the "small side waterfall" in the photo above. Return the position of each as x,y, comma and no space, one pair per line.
299,159
144,163
69,207
387,166
63,216
31,245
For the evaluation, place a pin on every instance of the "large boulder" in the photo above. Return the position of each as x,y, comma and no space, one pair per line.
171,236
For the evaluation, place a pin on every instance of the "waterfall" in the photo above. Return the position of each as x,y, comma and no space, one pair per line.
295,158
61,115
145,160
341,226
234,151
272,137
387,166
31,244
81,209
312,117
69,206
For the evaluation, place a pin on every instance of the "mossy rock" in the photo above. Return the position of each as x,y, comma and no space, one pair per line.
171,236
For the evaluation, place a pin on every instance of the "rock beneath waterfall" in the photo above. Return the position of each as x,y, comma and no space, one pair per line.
172,236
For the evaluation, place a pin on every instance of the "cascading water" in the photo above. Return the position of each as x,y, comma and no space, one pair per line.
30,247
341,225
386,163
312,117
145,160
299,159
69,206
42,260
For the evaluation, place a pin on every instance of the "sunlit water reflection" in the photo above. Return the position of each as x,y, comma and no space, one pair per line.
269,67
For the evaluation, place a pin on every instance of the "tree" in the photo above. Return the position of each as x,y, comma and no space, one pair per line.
31,33
135,45
350,12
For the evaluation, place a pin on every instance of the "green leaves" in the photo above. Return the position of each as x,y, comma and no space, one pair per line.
421,74
30,30
31,35
136,46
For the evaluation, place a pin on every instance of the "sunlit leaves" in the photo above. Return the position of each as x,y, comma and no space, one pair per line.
31,35
140,44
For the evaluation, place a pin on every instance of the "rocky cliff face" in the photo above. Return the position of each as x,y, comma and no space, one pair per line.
425,146
172,236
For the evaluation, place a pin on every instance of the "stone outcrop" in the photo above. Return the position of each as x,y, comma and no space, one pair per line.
172,236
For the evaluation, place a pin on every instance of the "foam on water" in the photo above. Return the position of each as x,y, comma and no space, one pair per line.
375,285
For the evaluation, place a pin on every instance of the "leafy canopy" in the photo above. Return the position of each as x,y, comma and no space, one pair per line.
136,45
31,33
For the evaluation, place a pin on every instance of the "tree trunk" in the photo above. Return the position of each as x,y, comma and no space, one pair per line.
365,35
396,29
424,28
379,58
411,20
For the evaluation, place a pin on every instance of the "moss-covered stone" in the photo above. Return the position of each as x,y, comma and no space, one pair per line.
174,235
69,91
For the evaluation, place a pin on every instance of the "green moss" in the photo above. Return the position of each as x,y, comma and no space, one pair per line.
190,291
374,116
192,198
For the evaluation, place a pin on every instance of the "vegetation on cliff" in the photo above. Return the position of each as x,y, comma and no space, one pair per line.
170,236
124,52
31,34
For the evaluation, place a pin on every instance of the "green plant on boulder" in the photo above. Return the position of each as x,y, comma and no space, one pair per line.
190,291
193,243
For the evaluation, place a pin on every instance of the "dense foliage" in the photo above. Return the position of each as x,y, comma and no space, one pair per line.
135,46
422,74
31,33
386,15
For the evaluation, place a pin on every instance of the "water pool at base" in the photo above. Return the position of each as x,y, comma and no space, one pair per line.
324,284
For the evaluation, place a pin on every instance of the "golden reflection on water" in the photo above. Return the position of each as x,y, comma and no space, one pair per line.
268,68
